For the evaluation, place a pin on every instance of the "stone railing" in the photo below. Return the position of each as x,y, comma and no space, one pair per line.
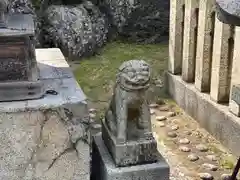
204,51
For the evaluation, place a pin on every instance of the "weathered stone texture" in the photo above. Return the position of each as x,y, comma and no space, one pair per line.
139,20
105,169
38,145
77,30
26,7
190,40
47,138
204,44
221,71
176,36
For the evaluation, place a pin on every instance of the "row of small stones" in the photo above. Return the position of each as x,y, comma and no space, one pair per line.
192,157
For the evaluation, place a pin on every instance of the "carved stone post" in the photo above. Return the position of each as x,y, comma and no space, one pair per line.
228,12
127,147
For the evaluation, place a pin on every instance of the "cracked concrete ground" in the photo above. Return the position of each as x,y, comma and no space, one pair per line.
43,145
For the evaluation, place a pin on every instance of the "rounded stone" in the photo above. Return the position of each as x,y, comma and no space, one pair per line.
193,157
153,105
92,110
92,116
175,127
184,149
161,118
202,148
211,157
161,124
188,132
184,141
164,108
205,176
171,114
152,111
96,126
171,134
225,176
210,167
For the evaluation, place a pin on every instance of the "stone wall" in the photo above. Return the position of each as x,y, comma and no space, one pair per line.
203,68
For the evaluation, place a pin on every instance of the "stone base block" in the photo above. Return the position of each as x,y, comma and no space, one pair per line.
141,151
215,118
234,108
25,90
103,167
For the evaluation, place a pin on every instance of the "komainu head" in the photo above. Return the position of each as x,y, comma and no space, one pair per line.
134,75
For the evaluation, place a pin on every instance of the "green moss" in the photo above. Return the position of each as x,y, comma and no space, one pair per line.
96,75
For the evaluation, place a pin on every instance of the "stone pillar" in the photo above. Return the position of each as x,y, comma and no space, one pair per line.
47,138
204,45
190,40
235,80
221,62
176,36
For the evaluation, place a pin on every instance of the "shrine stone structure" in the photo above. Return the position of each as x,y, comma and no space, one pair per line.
19,75
204,67
126,148
44,119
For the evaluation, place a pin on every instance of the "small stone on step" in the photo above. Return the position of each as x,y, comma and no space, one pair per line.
164,108
202,148
193,157
175,127
161,118
172,134
205,176
161,124
188,132
184,149
184,141
96,126
211,157
152,111
171,114
210,167
92,116
160,102
153,105
92,110
226,177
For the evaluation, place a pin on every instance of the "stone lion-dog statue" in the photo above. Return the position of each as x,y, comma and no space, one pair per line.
128,116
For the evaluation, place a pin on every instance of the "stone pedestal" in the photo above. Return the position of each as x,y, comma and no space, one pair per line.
103,166
234,104
133,152
47,138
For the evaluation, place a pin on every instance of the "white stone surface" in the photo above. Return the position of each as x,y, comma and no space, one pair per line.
47,139
56,75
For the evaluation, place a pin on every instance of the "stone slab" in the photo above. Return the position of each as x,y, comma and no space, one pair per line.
142,151
236,93
66,86
21,90
214,117
18,24
103,167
